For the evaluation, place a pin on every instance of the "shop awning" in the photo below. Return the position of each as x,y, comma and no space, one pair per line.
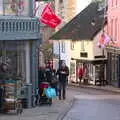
81,27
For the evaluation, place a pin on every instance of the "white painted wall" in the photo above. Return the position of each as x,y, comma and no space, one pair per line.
67,55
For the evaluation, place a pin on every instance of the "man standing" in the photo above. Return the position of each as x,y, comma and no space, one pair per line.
63,73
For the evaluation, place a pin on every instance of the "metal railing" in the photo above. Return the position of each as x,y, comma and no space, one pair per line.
19,26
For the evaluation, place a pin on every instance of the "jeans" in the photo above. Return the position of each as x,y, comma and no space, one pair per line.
62,87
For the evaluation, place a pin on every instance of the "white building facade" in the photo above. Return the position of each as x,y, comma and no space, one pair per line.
62,49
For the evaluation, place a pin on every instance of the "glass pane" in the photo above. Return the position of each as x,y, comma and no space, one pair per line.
1,7
10,9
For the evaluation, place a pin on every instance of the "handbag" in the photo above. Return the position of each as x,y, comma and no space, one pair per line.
50,92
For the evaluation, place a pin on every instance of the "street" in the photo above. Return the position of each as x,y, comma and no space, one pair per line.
81,104
95,105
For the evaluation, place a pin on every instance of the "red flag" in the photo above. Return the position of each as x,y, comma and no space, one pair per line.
49,18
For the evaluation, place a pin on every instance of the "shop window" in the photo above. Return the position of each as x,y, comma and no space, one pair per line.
13,54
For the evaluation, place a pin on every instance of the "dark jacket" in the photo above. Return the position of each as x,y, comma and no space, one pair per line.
63,74
48,72
41,75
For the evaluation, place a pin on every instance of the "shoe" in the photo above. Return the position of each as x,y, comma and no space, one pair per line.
64,98
59,98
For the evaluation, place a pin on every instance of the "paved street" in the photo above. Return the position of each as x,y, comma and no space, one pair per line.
85,105
96,106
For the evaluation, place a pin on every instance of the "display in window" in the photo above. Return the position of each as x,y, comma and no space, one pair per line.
14,7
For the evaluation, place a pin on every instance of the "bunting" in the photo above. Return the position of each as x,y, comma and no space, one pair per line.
104,40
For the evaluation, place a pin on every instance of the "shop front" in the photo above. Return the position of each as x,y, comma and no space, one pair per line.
113,67
96,70
20,38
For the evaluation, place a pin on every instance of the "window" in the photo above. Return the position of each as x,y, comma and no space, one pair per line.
63,46
116,30
72,45
60,1
116,2
82,46
13,7
13,53
111,3
111,32
85,54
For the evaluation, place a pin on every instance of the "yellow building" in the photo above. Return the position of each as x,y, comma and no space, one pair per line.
83,36
66,10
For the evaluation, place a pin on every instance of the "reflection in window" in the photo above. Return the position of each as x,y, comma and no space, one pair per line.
63,46
13,53
12,7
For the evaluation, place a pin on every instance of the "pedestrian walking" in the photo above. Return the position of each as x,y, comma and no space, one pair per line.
41,74
86,74
63,73
48,73
80,74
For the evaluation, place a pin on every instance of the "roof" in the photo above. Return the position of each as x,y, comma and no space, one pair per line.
80,27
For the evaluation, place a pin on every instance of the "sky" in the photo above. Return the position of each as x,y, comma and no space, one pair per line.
82,4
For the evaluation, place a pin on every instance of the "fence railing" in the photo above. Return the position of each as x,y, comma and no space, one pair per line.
19,26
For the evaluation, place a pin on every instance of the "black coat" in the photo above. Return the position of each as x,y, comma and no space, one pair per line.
49,76
41,75
63,76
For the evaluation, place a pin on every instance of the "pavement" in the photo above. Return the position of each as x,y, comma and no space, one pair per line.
59,108
108,88
54,112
